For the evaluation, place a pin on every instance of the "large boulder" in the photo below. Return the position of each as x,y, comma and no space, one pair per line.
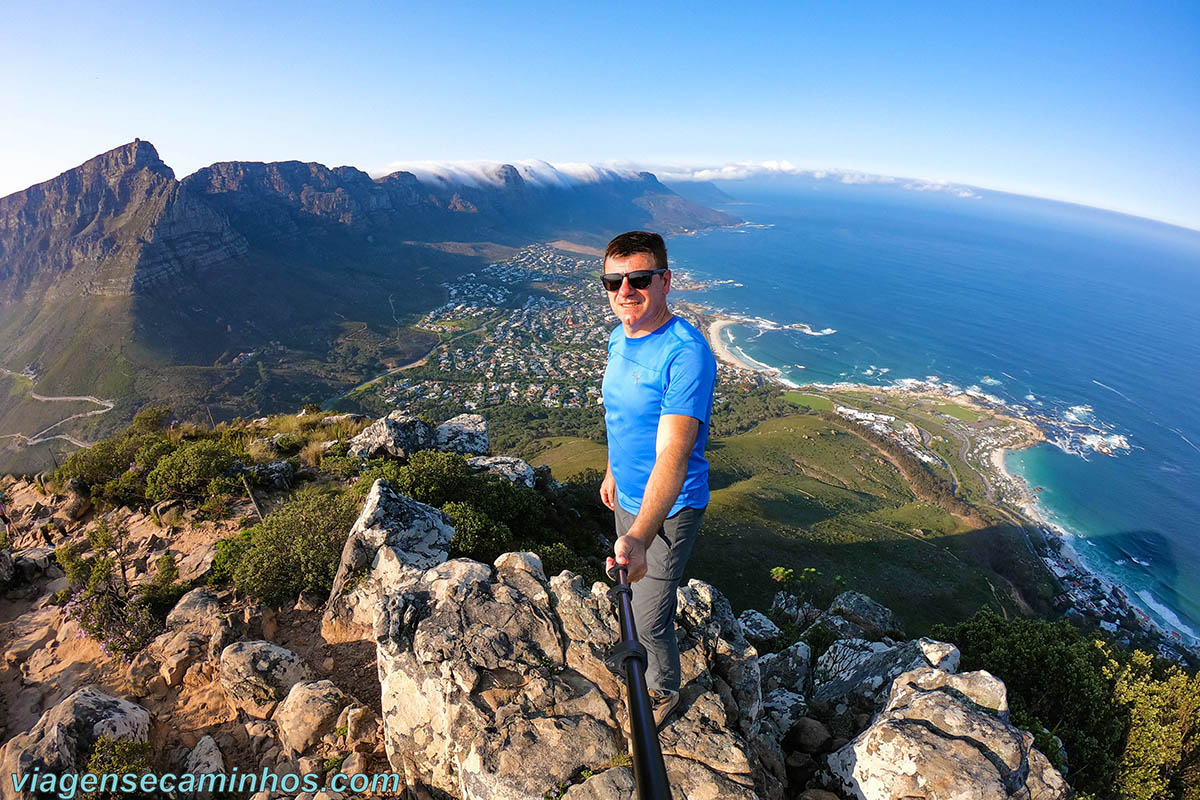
257,675
277,475
63,739
944,736
197,610
492,686
758,628
787,669
510,468
466,434
874,618
310,711
854,675
394,541
204,759
397,434
795,610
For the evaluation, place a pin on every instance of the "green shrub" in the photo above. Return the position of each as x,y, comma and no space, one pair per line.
557,556
342,466
1130,725
435,478
373,470
476,535
228,555
186,472
294,549
112,756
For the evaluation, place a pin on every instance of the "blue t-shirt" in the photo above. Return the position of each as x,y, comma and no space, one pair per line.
669,371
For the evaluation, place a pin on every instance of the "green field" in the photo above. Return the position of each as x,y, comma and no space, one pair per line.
959,412
802,492
813,401
567,456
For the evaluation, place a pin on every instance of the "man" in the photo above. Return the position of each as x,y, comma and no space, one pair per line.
658,392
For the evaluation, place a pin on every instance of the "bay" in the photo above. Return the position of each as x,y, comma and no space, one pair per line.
1088,317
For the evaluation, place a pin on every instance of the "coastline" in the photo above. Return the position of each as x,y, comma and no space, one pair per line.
1084,593
724,352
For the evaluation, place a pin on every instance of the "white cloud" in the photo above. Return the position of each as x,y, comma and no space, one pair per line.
543,173
480,173
743,170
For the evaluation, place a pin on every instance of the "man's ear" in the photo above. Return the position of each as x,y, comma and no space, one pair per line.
667,281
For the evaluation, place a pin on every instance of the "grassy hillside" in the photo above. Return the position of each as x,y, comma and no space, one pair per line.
800,491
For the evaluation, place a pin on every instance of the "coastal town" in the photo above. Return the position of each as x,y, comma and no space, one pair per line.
530,331
533,330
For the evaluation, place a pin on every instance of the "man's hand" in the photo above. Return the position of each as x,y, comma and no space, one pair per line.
608,490
631,554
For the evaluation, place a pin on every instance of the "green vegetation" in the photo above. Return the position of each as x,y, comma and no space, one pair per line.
121,616
1129,724
813,401
958,412
113,756
802,492
294,549
567,456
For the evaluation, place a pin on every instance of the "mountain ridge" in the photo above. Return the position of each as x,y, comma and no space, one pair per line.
119,280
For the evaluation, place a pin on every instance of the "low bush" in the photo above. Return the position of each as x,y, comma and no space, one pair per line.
112,756
294,549
187,472
1129,723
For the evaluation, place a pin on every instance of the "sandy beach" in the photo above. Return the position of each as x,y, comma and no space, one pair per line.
735,358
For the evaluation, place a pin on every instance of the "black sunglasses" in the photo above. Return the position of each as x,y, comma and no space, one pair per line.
638,279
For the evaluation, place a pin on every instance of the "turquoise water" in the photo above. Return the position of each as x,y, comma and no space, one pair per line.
1088,319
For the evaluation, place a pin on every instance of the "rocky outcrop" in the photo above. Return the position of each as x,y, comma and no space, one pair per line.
63,739
257,675
397,434
466,434
310,711
758,628
394,540
944,736
493,687
853,676
510,468
861,610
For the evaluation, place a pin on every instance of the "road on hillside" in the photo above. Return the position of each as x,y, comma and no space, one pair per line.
44,434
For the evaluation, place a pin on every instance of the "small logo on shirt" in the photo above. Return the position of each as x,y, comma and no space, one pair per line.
635,377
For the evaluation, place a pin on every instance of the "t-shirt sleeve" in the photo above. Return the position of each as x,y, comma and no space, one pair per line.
691,378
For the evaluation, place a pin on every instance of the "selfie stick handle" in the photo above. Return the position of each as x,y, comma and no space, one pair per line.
649,771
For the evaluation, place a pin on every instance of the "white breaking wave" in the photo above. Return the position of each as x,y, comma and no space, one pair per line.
1167,614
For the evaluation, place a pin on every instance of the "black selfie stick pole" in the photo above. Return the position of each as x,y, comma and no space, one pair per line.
629,657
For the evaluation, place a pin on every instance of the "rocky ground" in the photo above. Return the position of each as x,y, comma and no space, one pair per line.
484,680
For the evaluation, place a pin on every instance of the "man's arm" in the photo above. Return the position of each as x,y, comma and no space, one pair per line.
676,437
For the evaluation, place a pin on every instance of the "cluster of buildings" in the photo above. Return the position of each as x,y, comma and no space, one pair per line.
1087,596
538,346
906,435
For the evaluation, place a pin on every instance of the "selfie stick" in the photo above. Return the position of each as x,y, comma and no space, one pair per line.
629,657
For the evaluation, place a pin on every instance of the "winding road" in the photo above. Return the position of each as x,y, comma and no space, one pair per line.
44,434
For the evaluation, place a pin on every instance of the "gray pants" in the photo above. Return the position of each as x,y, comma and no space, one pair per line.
654,595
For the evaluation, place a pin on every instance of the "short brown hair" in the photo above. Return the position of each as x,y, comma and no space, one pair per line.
632,242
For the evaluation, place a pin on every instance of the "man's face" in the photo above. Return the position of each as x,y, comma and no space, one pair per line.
639,310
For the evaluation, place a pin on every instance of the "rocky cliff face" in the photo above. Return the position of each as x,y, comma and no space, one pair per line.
115,225
121,223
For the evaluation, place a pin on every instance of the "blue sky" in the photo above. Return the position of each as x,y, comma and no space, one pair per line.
1095,103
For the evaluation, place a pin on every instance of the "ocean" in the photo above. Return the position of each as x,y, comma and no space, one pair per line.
1086,318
